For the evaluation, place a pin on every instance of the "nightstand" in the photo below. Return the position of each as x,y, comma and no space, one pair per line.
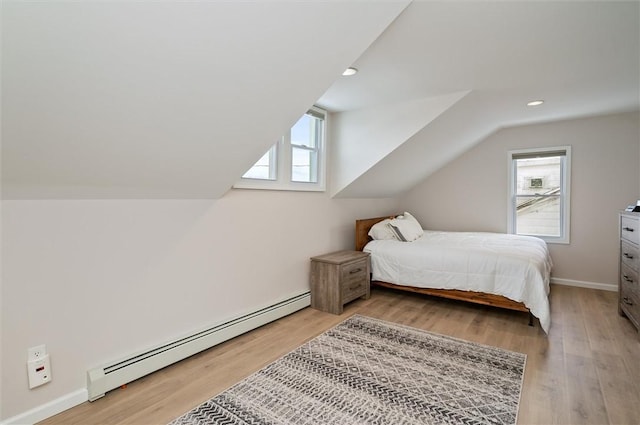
337,278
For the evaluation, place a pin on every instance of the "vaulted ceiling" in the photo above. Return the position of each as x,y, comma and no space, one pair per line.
179,99
582,58
138,99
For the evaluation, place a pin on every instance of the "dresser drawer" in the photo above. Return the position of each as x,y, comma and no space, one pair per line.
628,290
628,278
630,300
629,255
629,229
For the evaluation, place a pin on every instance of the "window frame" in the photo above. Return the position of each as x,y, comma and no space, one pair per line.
319,135
282,150
565,185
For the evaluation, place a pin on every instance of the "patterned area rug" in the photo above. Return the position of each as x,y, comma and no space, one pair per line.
367,371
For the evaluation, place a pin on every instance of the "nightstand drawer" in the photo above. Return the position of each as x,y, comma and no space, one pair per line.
353,272
354,289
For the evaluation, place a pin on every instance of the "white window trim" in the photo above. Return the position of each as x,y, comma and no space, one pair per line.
283,168
565,215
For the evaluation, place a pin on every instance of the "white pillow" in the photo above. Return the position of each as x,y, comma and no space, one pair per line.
381,231
406,227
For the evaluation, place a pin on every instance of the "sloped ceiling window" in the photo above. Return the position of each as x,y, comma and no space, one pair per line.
296,162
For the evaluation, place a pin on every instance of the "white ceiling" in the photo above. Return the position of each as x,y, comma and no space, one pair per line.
582,58
177,99
168,99
568,52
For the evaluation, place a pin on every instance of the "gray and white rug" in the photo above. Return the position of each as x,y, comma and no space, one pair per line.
368,371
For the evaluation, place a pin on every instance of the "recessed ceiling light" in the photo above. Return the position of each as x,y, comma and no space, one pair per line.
535,103
350,71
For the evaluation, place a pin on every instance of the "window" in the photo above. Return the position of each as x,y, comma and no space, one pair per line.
265,168
539,183
296,161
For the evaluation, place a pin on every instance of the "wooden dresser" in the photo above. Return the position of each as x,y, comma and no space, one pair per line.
629,287
337,278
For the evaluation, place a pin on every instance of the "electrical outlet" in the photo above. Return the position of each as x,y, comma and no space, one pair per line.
39,371
36,353
38,366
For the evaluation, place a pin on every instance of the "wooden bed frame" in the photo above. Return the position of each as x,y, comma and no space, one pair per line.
362,238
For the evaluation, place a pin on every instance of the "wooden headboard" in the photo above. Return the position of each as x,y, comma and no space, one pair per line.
362,230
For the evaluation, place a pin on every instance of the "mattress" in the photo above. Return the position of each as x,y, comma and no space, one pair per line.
514,266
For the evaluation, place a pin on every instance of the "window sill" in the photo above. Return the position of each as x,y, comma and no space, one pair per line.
275,185
551,240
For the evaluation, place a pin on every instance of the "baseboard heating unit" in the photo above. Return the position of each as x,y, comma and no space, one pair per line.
115,374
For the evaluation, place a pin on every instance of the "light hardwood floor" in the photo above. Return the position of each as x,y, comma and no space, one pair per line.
586,371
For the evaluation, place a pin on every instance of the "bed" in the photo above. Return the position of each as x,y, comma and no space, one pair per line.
500,270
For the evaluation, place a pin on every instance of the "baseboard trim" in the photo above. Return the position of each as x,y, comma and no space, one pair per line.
77,397
49,409
106,377
583,284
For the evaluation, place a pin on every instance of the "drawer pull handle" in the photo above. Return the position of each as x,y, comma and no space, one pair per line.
355,271
627,278
629,256
626,301
628,229
356,286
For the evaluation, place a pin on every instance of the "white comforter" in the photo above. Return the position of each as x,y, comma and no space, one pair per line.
517,267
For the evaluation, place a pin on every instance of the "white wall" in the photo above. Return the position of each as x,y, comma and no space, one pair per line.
470,193
96,280
363,137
